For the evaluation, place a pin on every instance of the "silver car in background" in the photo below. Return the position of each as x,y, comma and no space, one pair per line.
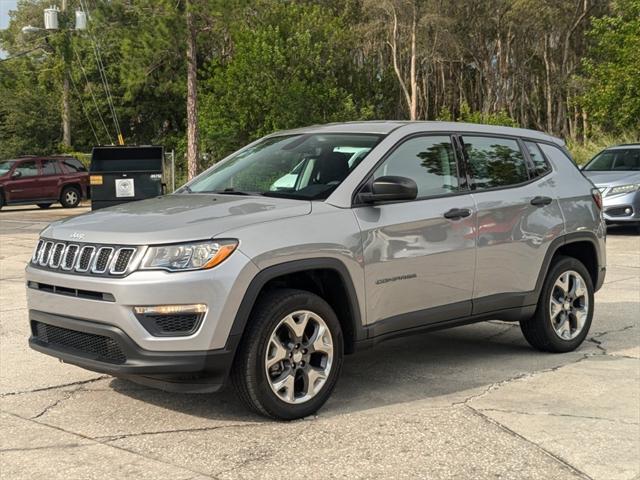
616,173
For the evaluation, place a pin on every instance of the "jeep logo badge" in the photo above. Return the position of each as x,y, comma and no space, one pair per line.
76,236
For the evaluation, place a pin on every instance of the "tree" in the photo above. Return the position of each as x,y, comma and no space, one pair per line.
612,69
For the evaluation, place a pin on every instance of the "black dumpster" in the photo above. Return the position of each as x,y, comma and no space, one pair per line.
120,174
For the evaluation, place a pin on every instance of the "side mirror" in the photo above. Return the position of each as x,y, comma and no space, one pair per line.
390,189
16,174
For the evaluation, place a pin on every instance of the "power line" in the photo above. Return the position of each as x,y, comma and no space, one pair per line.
84,110
95,103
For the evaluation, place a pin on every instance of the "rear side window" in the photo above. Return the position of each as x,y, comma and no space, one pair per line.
495,162
540,165
50,167
72,165
28,168
428,160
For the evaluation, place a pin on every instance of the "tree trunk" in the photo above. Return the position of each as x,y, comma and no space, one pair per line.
413,112
192,97
66,111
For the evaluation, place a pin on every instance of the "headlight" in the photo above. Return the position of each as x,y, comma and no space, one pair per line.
624,189
188,256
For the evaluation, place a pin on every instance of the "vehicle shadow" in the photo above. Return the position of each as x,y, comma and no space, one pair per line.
442,366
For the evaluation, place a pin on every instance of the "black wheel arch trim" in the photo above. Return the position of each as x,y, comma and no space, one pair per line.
264,276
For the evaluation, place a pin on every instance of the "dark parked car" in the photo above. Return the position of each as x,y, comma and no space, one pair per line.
43,181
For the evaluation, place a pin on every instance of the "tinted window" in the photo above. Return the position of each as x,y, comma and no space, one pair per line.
5,166
540,165
49,167
495,162
307,166
429,161
73,165
28,168
618,159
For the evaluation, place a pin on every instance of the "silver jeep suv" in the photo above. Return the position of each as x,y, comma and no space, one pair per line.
310,244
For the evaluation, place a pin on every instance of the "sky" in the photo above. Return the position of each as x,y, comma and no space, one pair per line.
5,6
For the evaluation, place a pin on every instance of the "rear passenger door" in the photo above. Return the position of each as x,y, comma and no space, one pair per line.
49,178
517,217
419,264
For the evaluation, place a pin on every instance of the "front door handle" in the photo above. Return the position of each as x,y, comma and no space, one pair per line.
541,201
457,213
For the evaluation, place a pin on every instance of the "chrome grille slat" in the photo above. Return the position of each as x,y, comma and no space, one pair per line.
85,258
70,255
46,253
102,260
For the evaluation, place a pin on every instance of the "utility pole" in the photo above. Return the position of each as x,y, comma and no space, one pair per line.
66,107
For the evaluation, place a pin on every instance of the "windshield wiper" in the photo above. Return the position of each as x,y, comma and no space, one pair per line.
233,191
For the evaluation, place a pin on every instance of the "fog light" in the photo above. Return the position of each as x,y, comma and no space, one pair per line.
170,309
627,211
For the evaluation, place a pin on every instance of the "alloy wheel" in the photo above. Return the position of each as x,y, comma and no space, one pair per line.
299,357
569,305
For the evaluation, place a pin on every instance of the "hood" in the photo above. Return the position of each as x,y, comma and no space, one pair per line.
174,218
612,178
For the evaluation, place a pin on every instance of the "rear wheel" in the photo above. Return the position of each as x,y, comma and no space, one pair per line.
44,205
291,355
70,197
565,308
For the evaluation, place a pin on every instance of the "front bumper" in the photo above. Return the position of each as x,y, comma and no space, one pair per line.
107,349
622,209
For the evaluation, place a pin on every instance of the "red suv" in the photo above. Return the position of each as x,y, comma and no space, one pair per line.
43,181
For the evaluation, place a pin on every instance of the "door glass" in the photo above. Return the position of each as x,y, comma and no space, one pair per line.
495,162
27,169
540,165
49,167
429,161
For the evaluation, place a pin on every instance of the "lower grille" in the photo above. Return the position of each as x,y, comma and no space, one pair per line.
97,347
619,211
181,324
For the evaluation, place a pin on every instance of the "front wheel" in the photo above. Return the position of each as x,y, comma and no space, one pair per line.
291,355
565,308
70,197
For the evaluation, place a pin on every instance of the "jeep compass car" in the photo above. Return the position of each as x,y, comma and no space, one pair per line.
307,245
43,181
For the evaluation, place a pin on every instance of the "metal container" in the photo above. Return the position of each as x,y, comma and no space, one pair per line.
120,174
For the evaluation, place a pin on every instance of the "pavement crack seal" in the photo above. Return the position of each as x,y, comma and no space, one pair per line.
55,387
550,414
113,438
116,447
551,455
595,338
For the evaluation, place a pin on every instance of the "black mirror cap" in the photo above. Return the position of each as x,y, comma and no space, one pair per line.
390,189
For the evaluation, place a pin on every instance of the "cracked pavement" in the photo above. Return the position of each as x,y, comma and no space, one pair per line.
472,402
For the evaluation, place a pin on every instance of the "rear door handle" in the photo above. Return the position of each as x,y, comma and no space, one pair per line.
541,201
457,213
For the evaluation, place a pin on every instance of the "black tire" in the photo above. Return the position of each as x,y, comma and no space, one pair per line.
539,330
44,205
70,197
248,374
1,199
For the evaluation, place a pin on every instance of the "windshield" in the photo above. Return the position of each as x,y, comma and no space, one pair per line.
616,160
308,166
5,166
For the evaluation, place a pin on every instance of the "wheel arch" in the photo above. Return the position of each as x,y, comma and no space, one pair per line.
326,277
583,246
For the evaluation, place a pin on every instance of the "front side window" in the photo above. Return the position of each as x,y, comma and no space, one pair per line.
618,159
495,162
540,165
49,167
27,169
5,166
307,166
428,160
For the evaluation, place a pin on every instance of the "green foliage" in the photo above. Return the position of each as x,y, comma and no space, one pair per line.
466,115
613,69
292,66
582,152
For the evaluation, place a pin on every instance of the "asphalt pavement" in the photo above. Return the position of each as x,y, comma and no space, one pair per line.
474,402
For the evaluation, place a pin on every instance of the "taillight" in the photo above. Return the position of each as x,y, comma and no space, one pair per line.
597,197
